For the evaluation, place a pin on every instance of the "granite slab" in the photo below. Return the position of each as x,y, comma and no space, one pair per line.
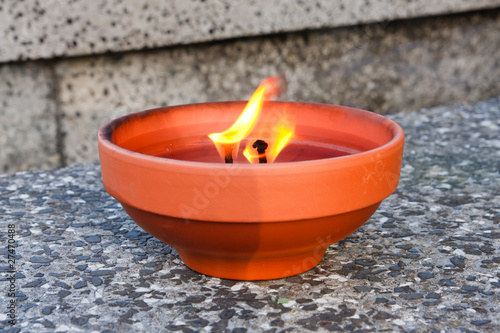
427,261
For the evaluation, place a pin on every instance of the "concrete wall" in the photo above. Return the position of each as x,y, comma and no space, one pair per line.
57,87
49,28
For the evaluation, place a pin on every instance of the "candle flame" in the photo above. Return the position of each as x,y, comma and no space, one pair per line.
246,121
249,155
283,135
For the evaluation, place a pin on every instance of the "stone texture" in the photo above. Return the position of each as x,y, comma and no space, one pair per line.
27,118
383,67
446,211
95,90
50,28
51,110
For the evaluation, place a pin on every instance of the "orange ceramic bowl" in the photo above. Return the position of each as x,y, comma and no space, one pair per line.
250,221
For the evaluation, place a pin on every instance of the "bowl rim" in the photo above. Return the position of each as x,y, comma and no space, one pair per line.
375,171
105,132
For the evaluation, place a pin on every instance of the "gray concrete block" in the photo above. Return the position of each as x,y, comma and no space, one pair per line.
385,68
93,91
27,118
49,28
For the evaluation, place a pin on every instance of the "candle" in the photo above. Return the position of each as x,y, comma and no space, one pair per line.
324,177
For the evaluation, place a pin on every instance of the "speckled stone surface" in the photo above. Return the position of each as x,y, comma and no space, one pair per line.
28,125
427,261
50,28
384,68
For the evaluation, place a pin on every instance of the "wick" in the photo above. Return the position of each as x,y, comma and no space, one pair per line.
261,147
228,153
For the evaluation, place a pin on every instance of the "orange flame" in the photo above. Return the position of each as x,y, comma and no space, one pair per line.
283,135
274,85
246,121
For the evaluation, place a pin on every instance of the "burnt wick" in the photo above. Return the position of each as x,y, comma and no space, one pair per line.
261,147
228,153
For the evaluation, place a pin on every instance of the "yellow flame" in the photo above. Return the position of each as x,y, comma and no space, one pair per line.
233,136
283,136
244,123
248,154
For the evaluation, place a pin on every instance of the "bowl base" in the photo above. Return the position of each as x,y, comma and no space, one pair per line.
251,250
255,268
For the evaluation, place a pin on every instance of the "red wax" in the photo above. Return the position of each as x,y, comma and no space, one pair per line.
305,147
206,152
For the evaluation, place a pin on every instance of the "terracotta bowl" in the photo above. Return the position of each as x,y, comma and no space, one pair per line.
250,221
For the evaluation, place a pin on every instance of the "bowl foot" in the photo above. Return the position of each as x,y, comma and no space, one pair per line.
252,268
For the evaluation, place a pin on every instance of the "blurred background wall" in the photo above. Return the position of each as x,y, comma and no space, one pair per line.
68,67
